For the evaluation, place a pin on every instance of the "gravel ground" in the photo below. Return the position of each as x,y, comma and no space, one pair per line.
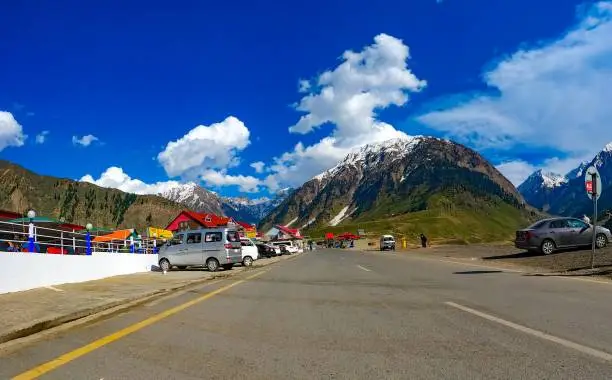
570,262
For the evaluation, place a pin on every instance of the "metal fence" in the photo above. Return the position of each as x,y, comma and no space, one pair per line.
30,237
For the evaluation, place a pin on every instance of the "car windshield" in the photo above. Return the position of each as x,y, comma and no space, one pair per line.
388,239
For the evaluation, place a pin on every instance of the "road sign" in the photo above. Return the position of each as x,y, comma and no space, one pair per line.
588,182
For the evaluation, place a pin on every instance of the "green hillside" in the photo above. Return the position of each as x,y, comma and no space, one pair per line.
459,219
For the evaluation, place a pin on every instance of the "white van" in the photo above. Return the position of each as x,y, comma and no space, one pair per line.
290,247
250,252
212,248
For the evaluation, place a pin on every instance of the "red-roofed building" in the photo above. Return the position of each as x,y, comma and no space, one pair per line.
187,220
8,215
279,232
246,229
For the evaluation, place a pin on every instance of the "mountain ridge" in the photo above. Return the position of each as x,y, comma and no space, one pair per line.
568,197
396,177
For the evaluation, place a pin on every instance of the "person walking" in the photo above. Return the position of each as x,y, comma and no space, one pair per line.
586,219
423,241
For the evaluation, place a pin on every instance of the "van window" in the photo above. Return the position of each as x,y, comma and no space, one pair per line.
233,237
211,237
194,238
177,239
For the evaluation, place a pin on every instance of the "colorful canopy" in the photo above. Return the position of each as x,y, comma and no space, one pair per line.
117,235
348,236
159,232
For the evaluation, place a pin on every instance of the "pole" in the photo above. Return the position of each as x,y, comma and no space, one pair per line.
595,190
31,237
88,241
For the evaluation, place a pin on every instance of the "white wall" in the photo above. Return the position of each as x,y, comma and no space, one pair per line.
23,271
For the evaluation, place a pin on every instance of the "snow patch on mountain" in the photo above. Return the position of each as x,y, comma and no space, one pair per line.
551,180
338,218
291,222
371,154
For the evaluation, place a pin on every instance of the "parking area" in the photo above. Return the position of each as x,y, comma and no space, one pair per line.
570,262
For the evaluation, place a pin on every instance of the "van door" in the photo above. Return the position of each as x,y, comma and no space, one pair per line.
176,250
194,254
213,246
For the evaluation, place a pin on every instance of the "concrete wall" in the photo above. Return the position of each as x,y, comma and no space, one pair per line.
23,271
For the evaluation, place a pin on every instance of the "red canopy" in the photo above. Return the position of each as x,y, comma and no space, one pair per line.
329,236
348,236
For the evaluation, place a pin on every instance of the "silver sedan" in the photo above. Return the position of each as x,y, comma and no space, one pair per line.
548,235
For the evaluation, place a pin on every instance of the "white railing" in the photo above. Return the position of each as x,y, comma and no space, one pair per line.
32,237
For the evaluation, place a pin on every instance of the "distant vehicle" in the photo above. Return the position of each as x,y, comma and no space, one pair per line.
212,248
387,242
286,246
547,235
266,250
250,252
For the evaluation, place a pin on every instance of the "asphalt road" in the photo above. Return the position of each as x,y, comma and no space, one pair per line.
345,315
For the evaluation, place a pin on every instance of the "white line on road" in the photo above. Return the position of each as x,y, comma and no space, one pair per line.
54,288
539,334
365,269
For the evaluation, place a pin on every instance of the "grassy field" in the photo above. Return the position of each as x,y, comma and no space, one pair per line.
495,222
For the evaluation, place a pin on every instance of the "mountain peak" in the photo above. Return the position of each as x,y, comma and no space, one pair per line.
547,179
371,153
608,147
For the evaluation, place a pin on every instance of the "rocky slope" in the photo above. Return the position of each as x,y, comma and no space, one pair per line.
80,202
399,177
566,195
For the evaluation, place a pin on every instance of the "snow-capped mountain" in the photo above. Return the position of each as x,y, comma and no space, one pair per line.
565,195
197,198
252,210
540,186
397,176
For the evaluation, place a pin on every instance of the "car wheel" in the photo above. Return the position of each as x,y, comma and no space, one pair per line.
247,261
164,264
601,241
212,265
548,247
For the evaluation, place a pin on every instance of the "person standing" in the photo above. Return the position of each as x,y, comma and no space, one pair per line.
423,241
586,219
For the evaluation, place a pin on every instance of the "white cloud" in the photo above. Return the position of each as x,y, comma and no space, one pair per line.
554,95
303,85
42,137
205,148
347,97
258,166
114,177
247,184
86,140
11,132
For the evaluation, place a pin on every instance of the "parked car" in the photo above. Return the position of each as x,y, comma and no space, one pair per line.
212,248
286,246
266,250
250,252
547,235
387,242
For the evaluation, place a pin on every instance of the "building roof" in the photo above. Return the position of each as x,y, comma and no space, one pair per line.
204,219
294,232
245,225
4,214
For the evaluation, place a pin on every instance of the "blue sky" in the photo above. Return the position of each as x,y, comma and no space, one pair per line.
142,97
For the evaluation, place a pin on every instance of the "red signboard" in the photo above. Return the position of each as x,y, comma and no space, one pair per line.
589,186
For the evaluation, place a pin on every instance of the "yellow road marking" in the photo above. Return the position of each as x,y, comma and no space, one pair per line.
70,356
